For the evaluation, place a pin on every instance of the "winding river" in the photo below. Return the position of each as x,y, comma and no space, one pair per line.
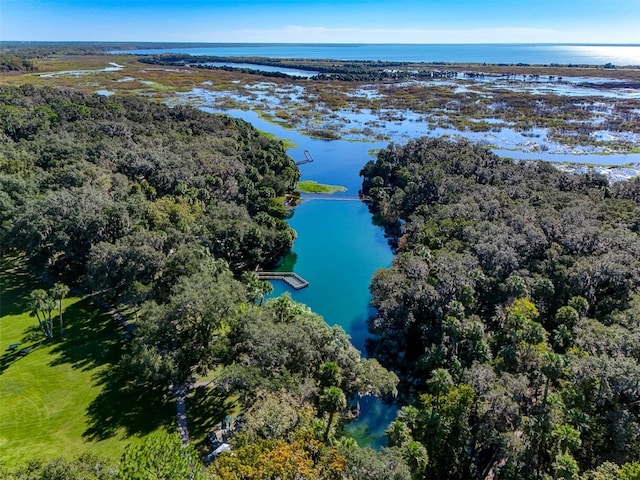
338,247
337,250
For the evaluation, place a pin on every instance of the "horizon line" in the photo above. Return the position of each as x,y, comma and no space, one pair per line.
607,44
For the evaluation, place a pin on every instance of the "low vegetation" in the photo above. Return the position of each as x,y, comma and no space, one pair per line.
311,186
462,98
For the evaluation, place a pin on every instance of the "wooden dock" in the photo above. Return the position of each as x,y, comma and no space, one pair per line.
307,158
292,279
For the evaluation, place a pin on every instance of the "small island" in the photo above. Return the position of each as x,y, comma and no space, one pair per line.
311,186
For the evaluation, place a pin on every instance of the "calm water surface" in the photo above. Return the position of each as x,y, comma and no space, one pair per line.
337,251
462,53
339,161
292,72
336,162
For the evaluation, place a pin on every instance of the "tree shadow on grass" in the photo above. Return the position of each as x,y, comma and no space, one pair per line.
31,340
10,356
7,359
206,408
13,299
91,338
15,285
94,340
122,405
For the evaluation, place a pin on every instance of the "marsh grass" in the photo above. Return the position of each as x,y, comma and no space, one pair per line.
311,186
464,108
286,143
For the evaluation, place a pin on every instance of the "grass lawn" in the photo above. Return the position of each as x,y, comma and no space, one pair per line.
64,397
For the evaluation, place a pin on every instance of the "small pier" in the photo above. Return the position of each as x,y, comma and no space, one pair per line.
307,158
292,279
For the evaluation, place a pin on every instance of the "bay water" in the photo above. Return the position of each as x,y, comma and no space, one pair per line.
533,54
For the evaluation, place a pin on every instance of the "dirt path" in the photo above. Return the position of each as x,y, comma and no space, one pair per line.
180,394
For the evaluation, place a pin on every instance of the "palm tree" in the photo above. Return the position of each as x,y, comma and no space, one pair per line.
440,383
416,456
332,401
59,292
398,433
41,305
256,288
330,375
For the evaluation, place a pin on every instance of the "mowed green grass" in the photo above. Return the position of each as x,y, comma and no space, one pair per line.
61,398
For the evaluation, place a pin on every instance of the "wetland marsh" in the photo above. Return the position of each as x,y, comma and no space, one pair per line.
561,114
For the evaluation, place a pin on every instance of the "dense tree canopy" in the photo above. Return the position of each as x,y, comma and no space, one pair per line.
509,309
109,189
167,211
285,345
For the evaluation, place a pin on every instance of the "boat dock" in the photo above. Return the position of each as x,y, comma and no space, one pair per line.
307,158
292,279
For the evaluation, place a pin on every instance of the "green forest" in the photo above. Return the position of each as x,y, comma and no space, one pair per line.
506,328
165,213
510,313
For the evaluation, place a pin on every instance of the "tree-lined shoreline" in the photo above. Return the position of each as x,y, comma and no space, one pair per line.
508,311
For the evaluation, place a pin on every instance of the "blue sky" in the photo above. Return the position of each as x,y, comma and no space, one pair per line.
331,21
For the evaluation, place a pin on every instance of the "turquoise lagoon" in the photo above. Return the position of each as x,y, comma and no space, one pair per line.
337,251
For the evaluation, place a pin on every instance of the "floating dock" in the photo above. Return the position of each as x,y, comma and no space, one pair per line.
292,279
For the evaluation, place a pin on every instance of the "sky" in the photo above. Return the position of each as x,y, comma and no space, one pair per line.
323,21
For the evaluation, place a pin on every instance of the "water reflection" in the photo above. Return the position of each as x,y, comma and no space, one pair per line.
337,251
602,54
292,72
360,127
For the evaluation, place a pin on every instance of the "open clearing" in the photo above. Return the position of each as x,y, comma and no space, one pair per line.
58,399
